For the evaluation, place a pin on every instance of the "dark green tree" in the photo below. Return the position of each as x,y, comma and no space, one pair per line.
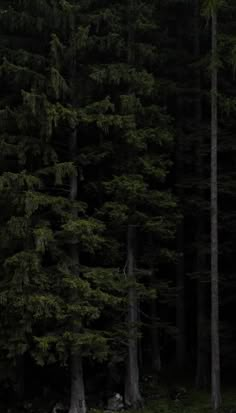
48,303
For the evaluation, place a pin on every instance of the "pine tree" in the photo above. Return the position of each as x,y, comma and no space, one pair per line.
40,275
104,113
132,130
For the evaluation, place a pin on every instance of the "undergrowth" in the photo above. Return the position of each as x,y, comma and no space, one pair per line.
194,402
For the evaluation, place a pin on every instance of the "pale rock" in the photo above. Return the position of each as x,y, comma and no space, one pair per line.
115,403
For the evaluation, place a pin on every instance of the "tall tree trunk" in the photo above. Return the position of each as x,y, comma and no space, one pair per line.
180,266
77,396
140,344
180,300
215,345
132,393
180,270
155,342
202,335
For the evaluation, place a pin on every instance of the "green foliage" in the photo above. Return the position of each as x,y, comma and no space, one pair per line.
210,5
124,81
64,69
86,231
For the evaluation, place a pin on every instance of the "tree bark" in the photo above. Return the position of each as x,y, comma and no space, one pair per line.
77,400
180,266
77,396
156,356
215,345
202,335
180,270
155,342
132,393
180,301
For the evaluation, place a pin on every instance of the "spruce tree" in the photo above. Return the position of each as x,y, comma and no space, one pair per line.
37,119
133,131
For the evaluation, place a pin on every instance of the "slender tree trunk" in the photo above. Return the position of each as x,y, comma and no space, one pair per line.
180,266
140,344
180,270
132,394
156,356
215,345
155,342
202,335
77,397
180,301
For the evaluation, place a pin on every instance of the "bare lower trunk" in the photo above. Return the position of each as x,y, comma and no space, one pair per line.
156,356
202,367
180,273
180,302
180,267
132,393
202,370
140,347
215,345
77,396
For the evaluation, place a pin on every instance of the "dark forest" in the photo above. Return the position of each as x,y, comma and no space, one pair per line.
117,206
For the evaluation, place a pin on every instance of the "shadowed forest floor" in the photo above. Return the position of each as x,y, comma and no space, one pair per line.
193,402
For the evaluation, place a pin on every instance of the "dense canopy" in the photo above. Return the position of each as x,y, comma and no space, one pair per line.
112,116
